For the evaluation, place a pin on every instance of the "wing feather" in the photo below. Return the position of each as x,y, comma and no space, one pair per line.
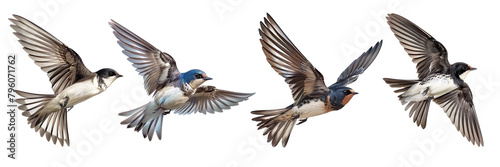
427,53
458,105
302,77
63,65
208,99
358,66
157,68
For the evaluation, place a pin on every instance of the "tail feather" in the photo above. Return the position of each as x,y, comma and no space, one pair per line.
134,116
275,129
52,124
136,119
32,102
158,126
419,109
404,85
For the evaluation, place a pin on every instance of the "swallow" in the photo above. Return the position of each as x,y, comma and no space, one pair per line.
181,93
310,94
437,80
71,81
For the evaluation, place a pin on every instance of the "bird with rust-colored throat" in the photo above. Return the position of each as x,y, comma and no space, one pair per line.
312,97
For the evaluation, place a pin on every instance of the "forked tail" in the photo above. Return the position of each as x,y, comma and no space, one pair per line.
52,124
136,118
277,128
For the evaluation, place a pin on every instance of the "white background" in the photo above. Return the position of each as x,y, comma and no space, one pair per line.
373,130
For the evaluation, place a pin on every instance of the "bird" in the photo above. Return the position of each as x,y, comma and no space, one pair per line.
71,81
437,80
310,94
180,93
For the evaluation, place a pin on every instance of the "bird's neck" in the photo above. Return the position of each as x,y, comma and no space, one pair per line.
186,88
192,84
336,101
100,83
458,79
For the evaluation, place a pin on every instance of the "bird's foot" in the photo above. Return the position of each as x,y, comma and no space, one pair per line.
425,91
63,102
167,112
301,121
70,107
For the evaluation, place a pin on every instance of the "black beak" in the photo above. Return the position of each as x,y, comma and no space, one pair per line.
354,93
473,68
119,76
207,78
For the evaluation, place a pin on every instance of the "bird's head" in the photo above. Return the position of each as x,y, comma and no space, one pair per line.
194,78
107,76
461,70
340,97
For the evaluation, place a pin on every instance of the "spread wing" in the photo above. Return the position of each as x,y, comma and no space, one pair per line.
208,99
301,76
63,66
429,54
157,68
358,66
459,107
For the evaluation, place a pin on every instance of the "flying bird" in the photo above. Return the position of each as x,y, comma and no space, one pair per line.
310,94
172,91
437,80
71,81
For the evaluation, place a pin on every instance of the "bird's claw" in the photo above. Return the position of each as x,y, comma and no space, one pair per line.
165,113
64,102
301,121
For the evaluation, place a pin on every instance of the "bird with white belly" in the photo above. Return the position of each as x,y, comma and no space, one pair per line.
71,81
438,81
309,91
172,91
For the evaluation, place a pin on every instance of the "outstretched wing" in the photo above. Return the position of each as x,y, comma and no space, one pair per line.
157,68
63,66
208,99
459,107
301,76
358,66
429,54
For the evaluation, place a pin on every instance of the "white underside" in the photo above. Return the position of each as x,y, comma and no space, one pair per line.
462,76
170,98
437,87
76,93
311,109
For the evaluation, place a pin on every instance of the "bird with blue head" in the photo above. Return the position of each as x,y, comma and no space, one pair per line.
181,93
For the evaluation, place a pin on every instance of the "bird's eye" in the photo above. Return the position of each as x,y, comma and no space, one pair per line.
198,76
346,92
111,73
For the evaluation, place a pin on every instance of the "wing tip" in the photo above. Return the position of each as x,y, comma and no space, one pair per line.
17,17
113,23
